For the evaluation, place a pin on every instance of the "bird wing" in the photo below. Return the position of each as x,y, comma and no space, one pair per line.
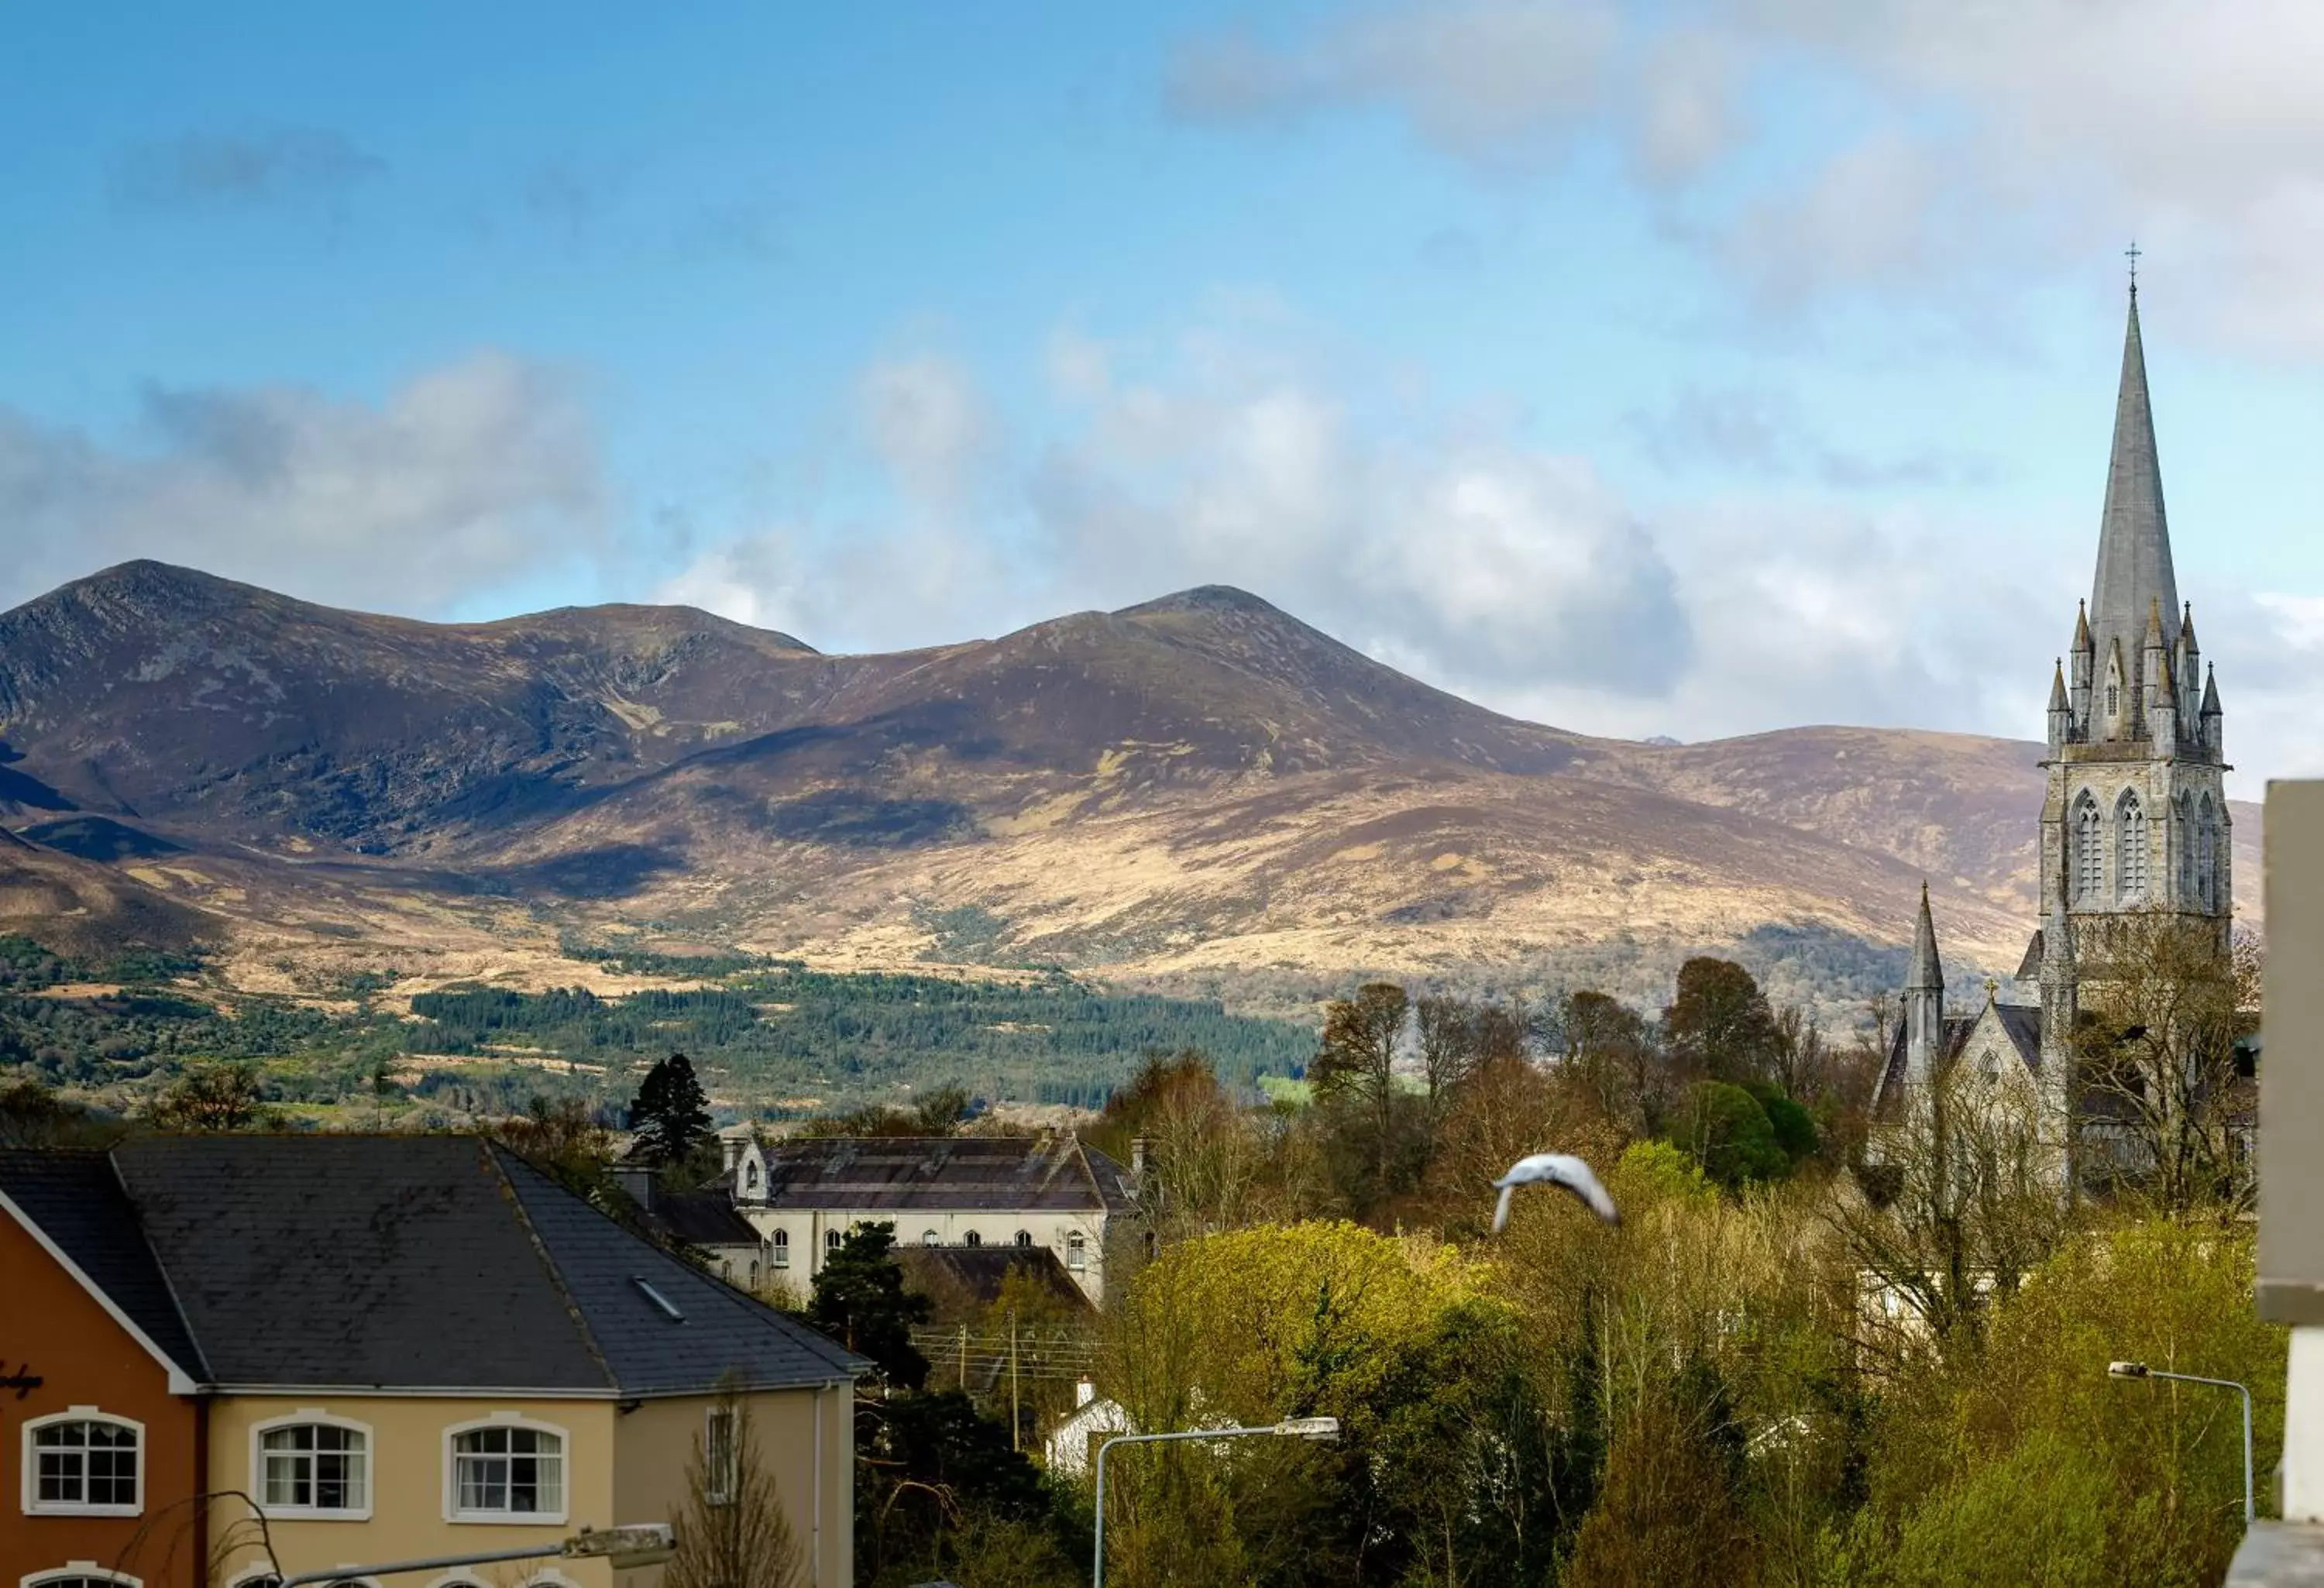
1575,1175
1501,1208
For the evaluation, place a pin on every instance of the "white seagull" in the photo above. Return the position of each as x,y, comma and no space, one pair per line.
1554,1168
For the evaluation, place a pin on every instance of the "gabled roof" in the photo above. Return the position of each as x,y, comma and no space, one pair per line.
1052,1174
433,1262
74,1205
978,1272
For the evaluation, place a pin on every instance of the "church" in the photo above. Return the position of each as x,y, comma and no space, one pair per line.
2135,816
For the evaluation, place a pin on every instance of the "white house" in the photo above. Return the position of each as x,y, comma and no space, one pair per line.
804,1195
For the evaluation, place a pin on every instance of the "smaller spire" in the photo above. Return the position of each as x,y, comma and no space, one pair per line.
2211,692
2186,625
2057,688
1928,974
2082,626
2154,623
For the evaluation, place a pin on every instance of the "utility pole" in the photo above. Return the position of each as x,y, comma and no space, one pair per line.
963,1357
1013,1414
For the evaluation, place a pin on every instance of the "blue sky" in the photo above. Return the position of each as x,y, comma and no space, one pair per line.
1657,368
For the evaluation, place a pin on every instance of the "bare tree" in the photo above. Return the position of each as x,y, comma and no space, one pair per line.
1356,1062
1961,1201
733,1532
2156,1058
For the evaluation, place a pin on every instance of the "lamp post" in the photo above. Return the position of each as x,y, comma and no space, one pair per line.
644,1544
2139,1369
1320,1430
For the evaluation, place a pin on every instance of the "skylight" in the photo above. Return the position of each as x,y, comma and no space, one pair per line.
659,1300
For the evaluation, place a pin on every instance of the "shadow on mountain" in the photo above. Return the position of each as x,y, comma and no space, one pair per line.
101,838
612,871
853,819
23,789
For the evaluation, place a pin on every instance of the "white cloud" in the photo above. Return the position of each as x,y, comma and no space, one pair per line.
1496,81
471,474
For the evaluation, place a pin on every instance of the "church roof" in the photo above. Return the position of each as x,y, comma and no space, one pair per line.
2134,571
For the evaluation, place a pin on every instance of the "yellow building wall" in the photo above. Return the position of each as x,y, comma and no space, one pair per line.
654,1443
620,1467
408,1460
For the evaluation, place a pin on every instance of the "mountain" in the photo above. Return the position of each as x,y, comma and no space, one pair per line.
75,905
1200,787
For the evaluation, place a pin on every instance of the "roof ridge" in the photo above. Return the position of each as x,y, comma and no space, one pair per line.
499,1171
168,1281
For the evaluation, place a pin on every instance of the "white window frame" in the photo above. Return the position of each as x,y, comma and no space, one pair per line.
930,1238
35,1506
507,1518
832,1238
1077,1253
780,1243
721,1481
75,1570
304,1417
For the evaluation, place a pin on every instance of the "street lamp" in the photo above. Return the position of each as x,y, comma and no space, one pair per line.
643,1544
1317,1430
2139,1369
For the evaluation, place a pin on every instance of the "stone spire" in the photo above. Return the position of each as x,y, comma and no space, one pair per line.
1928,974
2134,572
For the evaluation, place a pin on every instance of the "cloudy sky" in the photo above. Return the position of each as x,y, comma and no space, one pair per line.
1674,368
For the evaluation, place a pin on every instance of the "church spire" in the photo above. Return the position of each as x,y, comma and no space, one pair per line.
2134,568
1928,976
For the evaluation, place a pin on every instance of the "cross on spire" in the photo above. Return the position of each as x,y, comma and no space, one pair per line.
2131,253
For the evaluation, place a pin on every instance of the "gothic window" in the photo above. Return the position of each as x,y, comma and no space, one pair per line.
2207,856
2089,858
2183,840
2130,829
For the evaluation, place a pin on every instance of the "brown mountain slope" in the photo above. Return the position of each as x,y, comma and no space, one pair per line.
75,905
1201,785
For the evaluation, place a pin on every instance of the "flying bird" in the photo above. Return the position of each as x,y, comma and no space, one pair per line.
1554,1168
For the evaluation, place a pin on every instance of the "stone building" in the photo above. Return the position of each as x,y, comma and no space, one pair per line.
2134,820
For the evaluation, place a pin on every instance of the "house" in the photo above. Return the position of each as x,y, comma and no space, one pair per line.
703,1223
387,1348
1072,1445
1053,1192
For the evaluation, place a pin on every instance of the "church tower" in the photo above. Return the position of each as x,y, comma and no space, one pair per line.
2135,817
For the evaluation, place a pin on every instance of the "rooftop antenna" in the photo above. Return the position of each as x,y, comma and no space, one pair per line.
2131,253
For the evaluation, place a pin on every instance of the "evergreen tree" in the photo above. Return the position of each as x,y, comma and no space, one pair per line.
670,1114
859,1300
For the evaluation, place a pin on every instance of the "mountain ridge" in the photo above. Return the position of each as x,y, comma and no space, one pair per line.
1197,785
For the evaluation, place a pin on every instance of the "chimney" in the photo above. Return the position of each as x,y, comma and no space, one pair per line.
732,1146
1138,1157
637,1179
1084,1392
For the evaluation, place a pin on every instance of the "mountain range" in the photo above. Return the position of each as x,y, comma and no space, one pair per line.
1199,790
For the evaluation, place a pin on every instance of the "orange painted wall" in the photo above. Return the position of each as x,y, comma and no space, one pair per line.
50,1326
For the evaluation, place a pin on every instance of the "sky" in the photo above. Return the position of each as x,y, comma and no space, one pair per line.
1657,368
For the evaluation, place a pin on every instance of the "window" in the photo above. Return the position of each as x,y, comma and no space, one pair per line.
972,1239
2183,839
2089,859
2206,857
750,1177
84,1462
508,1470
1024,1237
2130,830
831,1239
1077,1253
720,1457
928,1238
79,1577
315,1465
2114,697
782,1244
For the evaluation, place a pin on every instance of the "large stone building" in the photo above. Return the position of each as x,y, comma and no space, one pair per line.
1053,1193
2135,816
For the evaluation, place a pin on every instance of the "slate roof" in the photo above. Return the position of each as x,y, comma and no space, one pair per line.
433,1262
701,1218
1006,1173
75,1199
978,1272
